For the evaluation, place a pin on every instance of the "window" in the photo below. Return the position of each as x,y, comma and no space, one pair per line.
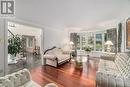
83,38
83,42
30,42
78,42
78,38
91,40
99,42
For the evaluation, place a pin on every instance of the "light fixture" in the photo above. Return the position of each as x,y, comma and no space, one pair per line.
108,43
71,43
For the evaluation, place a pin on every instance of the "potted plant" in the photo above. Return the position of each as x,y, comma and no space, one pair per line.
14,46
88,49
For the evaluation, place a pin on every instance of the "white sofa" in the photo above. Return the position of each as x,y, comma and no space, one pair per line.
113,71
56,56
21,78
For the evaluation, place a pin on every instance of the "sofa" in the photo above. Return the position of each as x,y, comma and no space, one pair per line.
21,78
113,71
56,56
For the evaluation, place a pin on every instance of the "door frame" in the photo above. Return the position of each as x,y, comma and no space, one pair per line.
22,22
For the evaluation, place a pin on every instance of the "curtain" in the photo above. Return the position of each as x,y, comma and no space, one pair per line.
73,38
112,36
119,36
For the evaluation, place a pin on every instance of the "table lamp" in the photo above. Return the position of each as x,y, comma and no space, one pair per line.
108,43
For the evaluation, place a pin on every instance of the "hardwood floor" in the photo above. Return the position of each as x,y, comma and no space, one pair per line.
67,75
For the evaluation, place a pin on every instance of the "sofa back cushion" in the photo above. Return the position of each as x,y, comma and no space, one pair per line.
54,51
122,63
57,51
50,52
5,82
16,79
24,76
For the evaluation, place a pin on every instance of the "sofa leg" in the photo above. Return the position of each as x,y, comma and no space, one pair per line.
69,60
56,62
96,84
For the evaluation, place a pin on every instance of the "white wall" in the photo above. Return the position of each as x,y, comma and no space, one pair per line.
3,64
55,37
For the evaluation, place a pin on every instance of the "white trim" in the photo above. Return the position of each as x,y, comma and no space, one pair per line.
5,47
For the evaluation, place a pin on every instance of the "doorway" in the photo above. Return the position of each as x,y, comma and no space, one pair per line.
25,44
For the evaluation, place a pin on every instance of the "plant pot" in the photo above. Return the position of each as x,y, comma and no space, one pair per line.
12,57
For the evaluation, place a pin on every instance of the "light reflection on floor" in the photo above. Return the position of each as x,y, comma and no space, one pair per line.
31,62
82,58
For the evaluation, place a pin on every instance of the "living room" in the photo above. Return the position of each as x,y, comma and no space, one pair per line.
69,43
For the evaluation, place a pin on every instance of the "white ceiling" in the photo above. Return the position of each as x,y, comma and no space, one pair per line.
76,14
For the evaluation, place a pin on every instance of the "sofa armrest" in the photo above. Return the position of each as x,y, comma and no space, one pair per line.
110,80
108,56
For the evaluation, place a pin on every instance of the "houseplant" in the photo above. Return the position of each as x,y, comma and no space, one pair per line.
14,45
88,49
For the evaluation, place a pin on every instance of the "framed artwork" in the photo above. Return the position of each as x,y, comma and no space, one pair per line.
128,33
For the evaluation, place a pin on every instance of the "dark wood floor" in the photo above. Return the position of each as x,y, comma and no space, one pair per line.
67,75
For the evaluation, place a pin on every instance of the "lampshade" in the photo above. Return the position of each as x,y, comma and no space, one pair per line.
108,43
71,43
